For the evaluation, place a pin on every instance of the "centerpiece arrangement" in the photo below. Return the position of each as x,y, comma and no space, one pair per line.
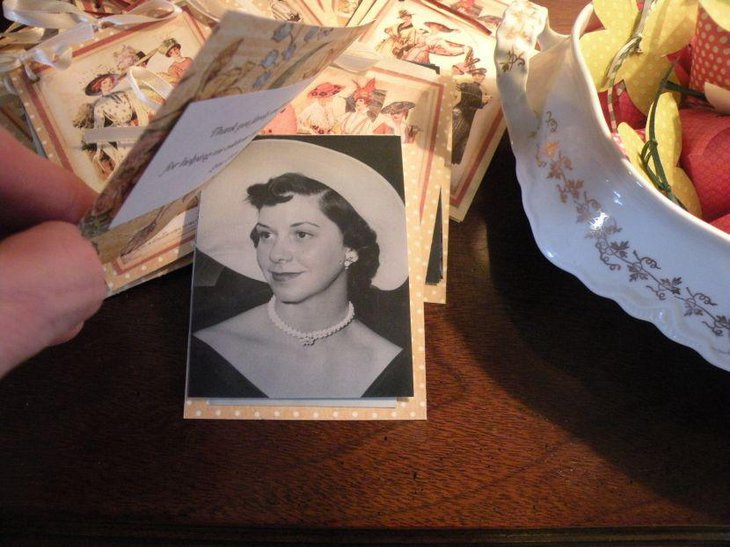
620,134
662,70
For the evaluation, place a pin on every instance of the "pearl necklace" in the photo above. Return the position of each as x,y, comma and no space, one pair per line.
309,338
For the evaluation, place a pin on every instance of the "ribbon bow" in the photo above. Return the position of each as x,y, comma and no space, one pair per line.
55,52
54,14
16,36
76,27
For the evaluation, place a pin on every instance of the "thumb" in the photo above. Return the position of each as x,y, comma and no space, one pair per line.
51,281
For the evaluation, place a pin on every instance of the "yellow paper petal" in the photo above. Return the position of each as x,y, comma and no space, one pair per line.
667,130
684,189
642,75
599,47
681,184
668,134
617,15
670,26
719,10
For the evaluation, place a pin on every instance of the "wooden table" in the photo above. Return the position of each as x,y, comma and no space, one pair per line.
553,416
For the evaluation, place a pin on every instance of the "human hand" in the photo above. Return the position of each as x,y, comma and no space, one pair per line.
51,279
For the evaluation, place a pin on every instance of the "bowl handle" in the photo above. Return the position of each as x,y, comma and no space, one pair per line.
524,24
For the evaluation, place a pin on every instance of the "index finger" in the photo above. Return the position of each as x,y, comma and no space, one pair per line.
33,189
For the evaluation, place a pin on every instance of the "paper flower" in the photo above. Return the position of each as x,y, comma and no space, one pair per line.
705,158
667,132
669,27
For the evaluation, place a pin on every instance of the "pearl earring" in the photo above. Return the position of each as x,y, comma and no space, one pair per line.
350,258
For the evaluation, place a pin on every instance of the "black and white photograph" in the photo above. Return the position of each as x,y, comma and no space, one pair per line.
300,283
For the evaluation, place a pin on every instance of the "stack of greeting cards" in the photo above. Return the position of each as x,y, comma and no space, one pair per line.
306,158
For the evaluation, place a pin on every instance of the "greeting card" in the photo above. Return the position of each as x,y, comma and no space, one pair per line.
141,108
458,40
12,118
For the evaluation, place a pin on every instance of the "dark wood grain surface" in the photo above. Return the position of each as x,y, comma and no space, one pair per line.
553,417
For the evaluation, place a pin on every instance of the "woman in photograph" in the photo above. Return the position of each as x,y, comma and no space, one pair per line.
318,251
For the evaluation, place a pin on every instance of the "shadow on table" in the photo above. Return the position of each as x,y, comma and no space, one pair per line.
650,406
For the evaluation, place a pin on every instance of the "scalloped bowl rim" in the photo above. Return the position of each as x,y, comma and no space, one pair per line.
655,314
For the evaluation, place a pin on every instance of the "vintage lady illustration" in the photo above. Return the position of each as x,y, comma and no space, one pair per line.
362,108
120,108
473,97
234,66
117,104
433,41
172,48
396,123
401,36
318,117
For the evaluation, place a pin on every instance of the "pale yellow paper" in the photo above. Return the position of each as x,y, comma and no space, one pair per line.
719,10
669,27
668,132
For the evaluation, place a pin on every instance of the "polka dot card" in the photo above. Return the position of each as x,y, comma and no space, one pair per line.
711,49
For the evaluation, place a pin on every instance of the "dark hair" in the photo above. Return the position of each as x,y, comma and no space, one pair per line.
356,233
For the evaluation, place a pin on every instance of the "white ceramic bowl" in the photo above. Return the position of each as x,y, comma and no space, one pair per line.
591,213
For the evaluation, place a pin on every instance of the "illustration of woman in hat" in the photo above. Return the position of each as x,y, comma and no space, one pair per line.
401,36
318,117
472,99
172,48
317,246
112,108
281,10
127,57
397,123
359,119
433,42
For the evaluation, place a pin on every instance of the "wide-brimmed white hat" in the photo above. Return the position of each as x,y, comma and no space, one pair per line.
227,218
